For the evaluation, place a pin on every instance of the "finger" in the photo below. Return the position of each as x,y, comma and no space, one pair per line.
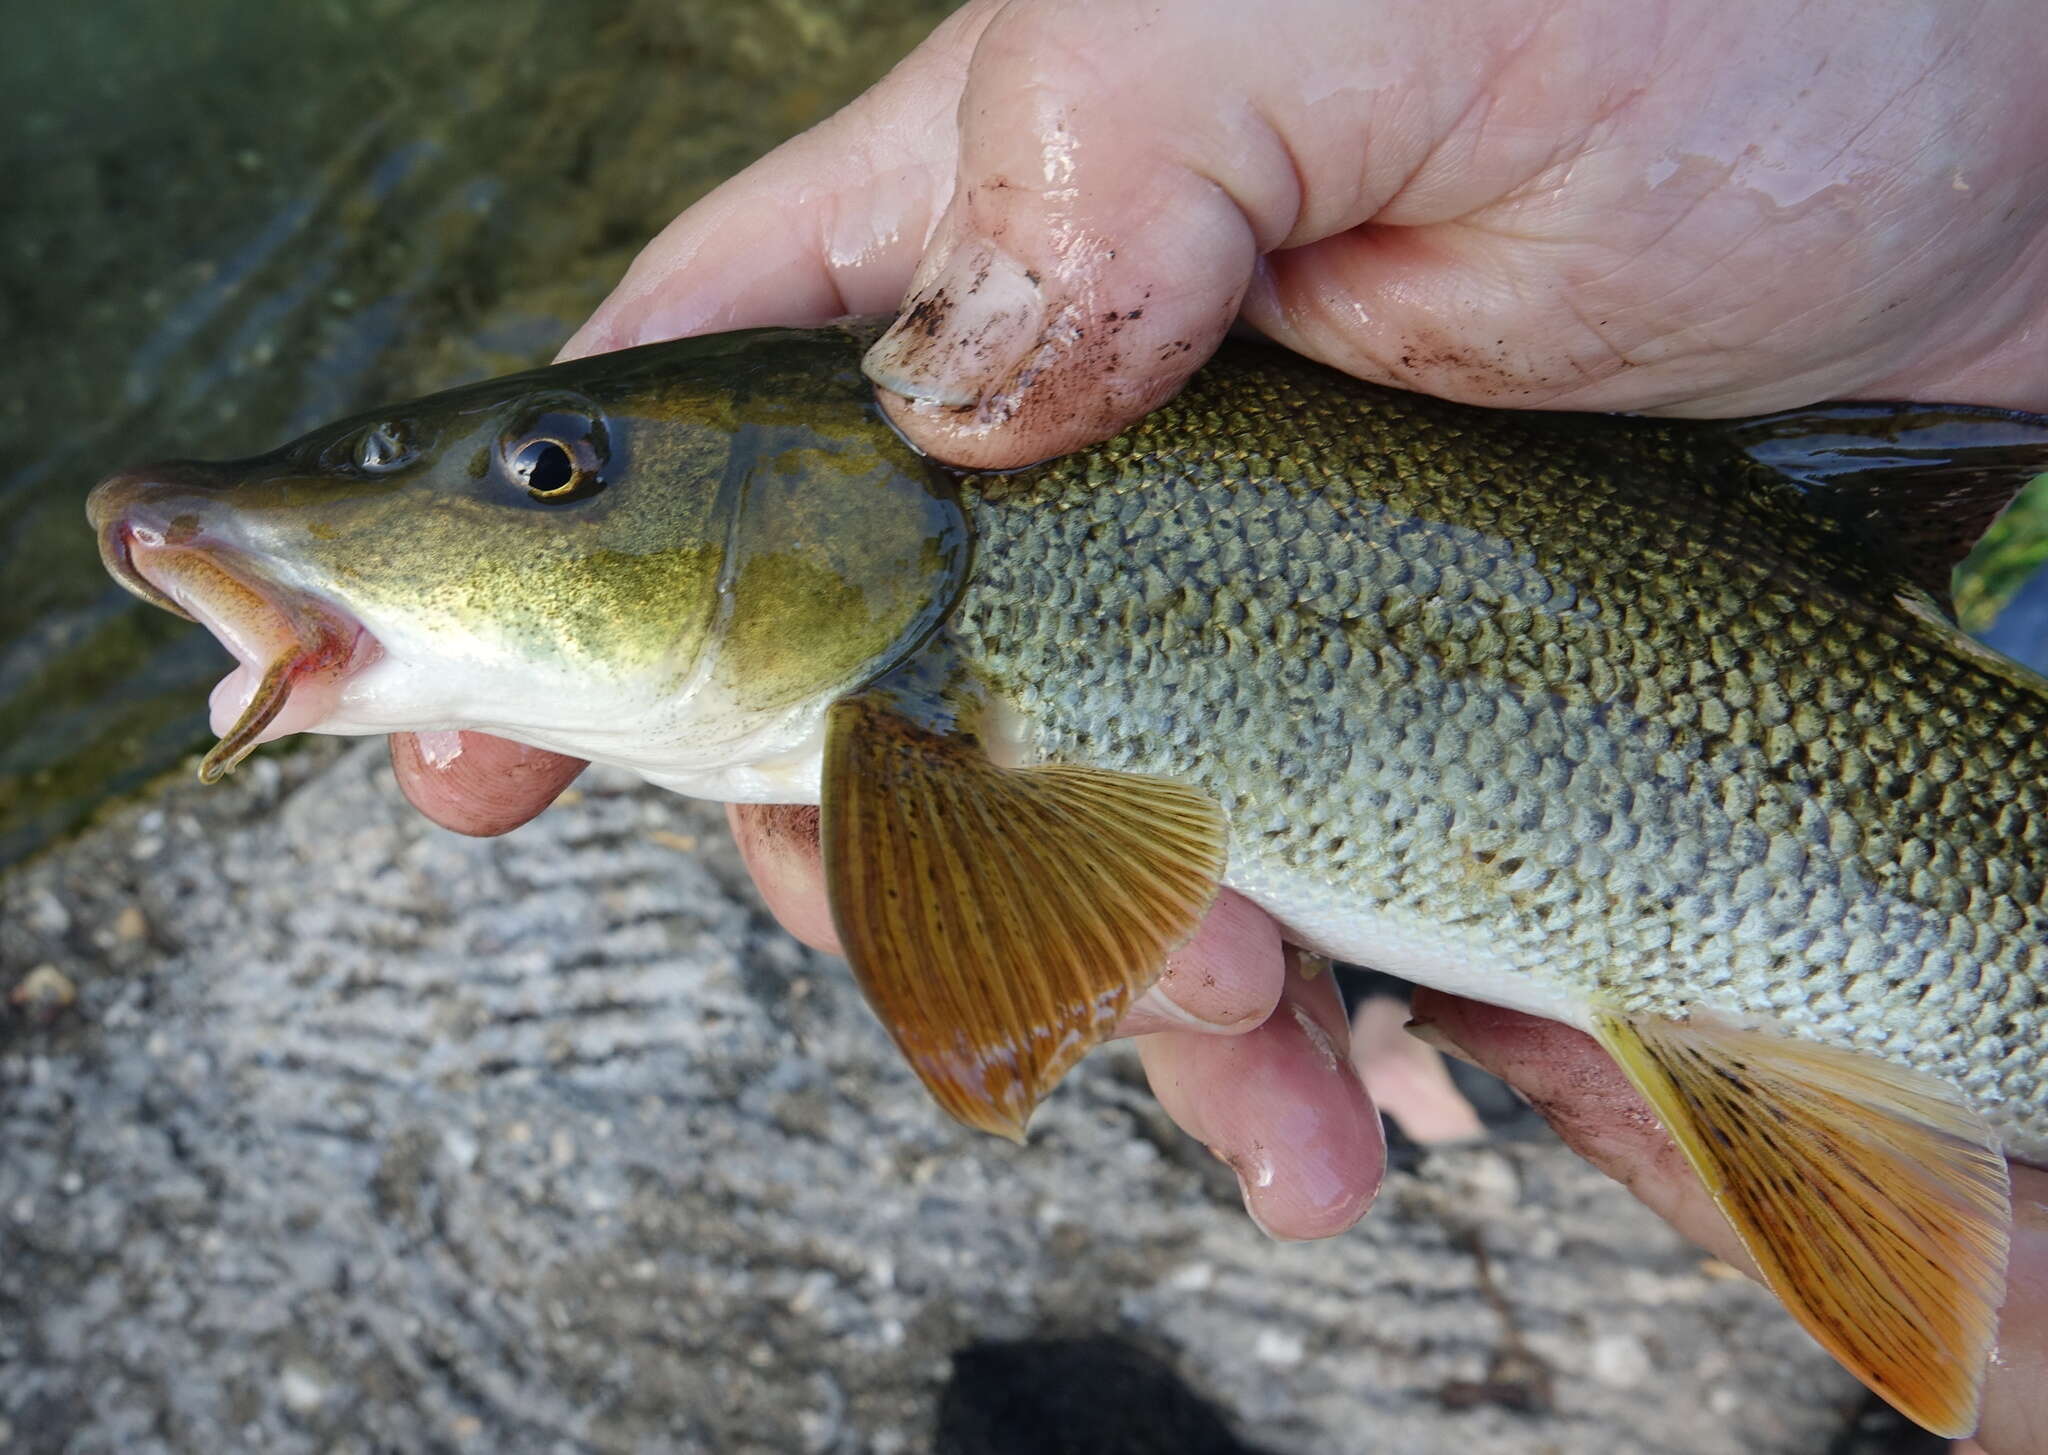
2015,1398
1106,216
1084,267
1406,1078
830,223
477,784
1582,1093
1226,979
779,842
1283,1107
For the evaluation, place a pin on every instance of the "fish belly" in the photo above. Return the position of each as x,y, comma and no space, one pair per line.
1412,946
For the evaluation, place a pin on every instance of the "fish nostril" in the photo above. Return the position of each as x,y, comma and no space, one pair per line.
115,498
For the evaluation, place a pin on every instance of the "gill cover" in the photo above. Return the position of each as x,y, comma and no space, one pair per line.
844,548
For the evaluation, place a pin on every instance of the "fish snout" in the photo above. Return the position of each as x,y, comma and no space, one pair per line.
139,512
173,494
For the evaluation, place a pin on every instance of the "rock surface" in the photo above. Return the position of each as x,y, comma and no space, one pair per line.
364,1137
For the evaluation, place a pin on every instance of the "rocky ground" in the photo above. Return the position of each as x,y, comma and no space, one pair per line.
363,1137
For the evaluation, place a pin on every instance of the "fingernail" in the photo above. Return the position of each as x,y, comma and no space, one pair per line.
1321,1042
1432,1035
1156,1011
962,334
438,750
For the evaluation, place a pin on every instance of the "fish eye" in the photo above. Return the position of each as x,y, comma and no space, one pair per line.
384,447
545,468
559,456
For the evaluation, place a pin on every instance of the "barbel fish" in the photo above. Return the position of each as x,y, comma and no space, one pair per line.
1657,728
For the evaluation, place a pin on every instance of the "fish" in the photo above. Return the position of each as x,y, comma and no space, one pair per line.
1662,729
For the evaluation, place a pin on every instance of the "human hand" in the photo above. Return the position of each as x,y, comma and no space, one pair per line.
1703,207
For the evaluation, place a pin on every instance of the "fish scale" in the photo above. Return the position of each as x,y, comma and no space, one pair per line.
1483,699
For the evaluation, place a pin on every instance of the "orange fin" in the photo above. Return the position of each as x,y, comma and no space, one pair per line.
1872,1198
1000,919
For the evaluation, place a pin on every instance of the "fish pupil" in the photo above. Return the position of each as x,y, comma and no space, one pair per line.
544,467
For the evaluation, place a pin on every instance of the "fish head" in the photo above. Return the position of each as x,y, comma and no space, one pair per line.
670,558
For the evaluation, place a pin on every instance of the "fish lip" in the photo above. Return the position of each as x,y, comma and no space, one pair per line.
154,518
117,554
316,633
293,648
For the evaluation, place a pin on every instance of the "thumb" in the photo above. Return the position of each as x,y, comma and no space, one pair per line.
1086,264
1123,165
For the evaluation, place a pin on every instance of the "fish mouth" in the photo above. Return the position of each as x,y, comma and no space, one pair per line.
292,650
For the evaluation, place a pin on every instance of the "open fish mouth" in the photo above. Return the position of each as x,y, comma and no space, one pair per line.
292,651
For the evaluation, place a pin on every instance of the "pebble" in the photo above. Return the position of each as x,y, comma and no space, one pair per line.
1480,1180
1620,1360
302,1387
462,1147
43,994
130,925
47,914
1280,1348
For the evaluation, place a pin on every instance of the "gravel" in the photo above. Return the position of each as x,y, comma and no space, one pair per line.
362,1137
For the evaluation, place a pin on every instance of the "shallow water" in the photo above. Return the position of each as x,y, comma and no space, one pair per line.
235,220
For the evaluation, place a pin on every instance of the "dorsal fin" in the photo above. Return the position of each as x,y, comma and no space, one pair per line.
1921,481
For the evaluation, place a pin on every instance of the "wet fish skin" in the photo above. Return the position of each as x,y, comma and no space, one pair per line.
1657,728
1560,711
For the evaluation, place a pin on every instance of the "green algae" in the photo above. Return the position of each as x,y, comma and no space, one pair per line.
2013,549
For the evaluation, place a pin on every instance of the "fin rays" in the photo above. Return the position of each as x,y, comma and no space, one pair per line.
1001,919
1874,1201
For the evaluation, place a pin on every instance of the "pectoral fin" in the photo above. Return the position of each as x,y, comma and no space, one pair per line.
1872,1198
1000,919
